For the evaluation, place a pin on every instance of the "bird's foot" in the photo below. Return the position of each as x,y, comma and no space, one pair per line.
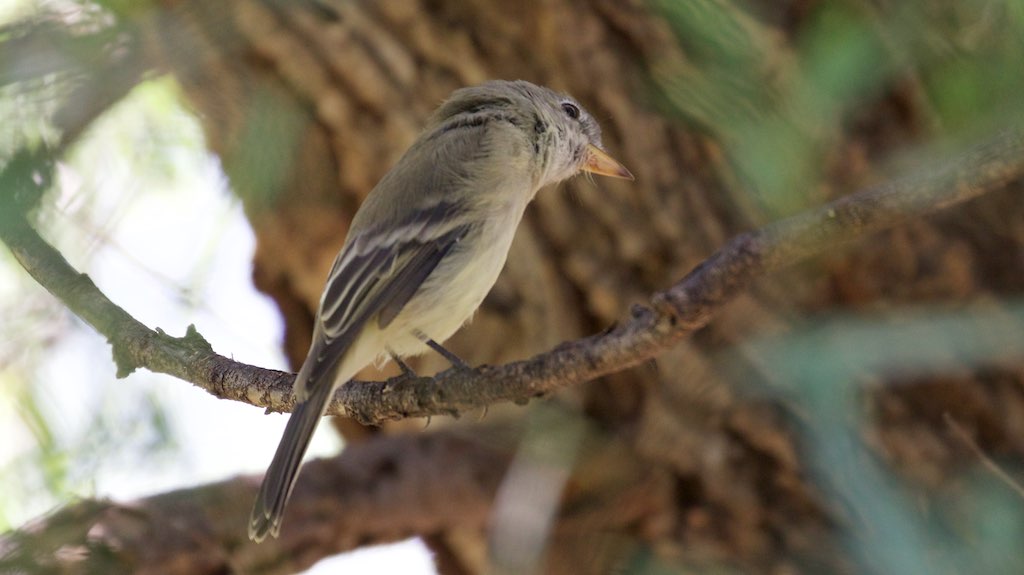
455,360
407,372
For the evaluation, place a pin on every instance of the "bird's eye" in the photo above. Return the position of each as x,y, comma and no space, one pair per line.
571,110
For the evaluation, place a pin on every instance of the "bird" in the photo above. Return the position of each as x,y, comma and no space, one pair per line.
427,245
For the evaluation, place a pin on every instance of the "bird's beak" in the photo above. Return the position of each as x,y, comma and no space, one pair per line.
599,162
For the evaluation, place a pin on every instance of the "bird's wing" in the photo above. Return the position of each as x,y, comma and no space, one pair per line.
376,274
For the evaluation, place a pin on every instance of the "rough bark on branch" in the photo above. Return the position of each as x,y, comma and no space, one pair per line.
380,491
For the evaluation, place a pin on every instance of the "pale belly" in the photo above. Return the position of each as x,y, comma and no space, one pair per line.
441,307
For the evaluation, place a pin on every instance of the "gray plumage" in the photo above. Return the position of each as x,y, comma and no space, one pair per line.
428,243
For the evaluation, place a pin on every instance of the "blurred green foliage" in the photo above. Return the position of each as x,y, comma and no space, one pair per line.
823,367
50,455
778,112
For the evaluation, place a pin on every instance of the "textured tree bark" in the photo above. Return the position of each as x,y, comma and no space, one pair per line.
385,490
309,104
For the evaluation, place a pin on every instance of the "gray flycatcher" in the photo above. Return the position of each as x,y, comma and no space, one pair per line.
427,245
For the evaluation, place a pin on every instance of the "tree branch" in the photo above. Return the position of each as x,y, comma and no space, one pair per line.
673,314
384,490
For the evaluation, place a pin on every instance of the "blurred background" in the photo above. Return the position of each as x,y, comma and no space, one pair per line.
862,412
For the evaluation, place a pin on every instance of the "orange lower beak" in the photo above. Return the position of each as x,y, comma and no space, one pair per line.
599,162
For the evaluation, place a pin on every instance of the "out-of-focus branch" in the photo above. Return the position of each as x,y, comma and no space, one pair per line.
673,314
384,490
50,49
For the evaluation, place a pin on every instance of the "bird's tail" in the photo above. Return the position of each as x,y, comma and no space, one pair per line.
280,478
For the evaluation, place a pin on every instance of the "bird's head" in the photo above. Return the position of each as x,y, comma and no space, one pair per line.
566,138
